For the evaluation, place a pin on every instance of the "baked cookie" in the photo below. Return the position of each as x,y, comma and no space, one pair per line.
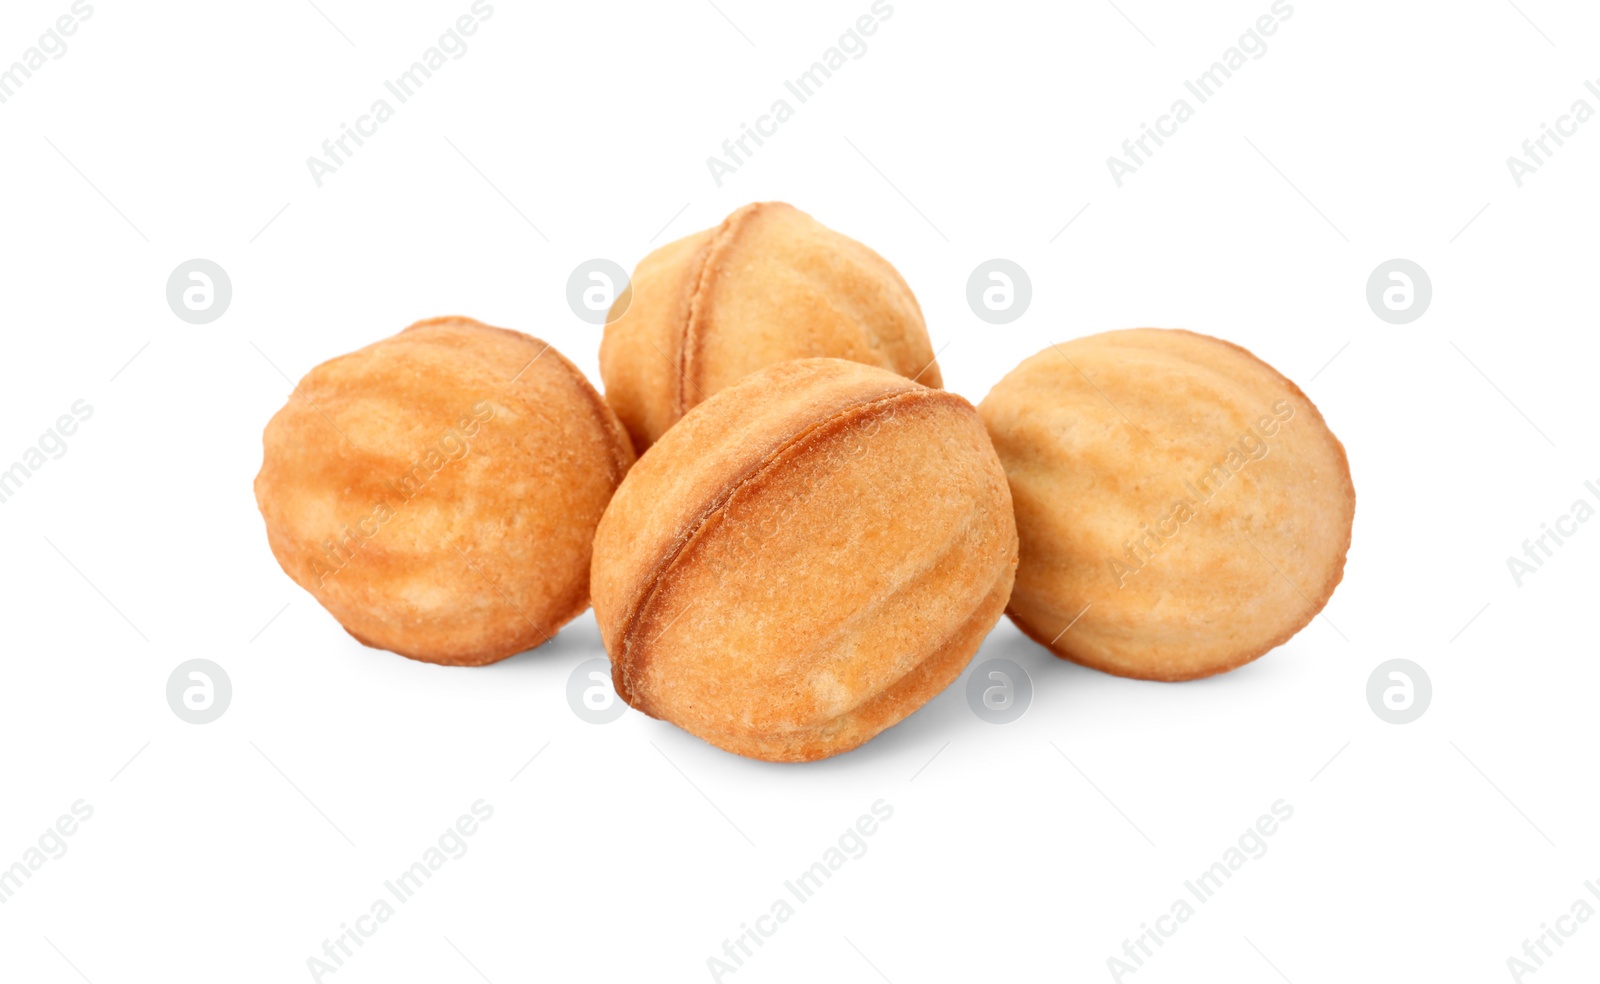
768,285
1182,507
805,559
438,491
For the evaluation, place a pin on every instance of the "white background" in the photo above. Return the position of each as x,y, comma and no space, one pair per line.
1030,851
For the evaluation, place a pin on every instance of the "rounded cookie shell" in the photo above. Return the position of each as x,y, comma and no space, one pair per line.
437,492
1182,507
804,560
767,285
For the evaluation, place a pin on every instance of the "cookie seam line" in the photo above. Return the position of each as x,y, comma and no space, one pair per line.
662,568
721,239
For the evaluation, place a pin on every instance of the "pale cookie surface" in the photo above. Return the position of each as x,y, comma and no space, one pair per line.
438,491
767,285
1182,507
804,560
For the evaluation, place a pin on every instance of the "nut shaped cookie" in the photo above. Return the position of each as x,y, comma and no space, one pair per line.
438,491
1182,507
768,285
804,560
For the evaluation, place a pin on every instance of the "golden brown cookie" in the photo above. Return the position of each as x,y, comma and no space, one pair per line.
438,491
805,559
769,284
1182,507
